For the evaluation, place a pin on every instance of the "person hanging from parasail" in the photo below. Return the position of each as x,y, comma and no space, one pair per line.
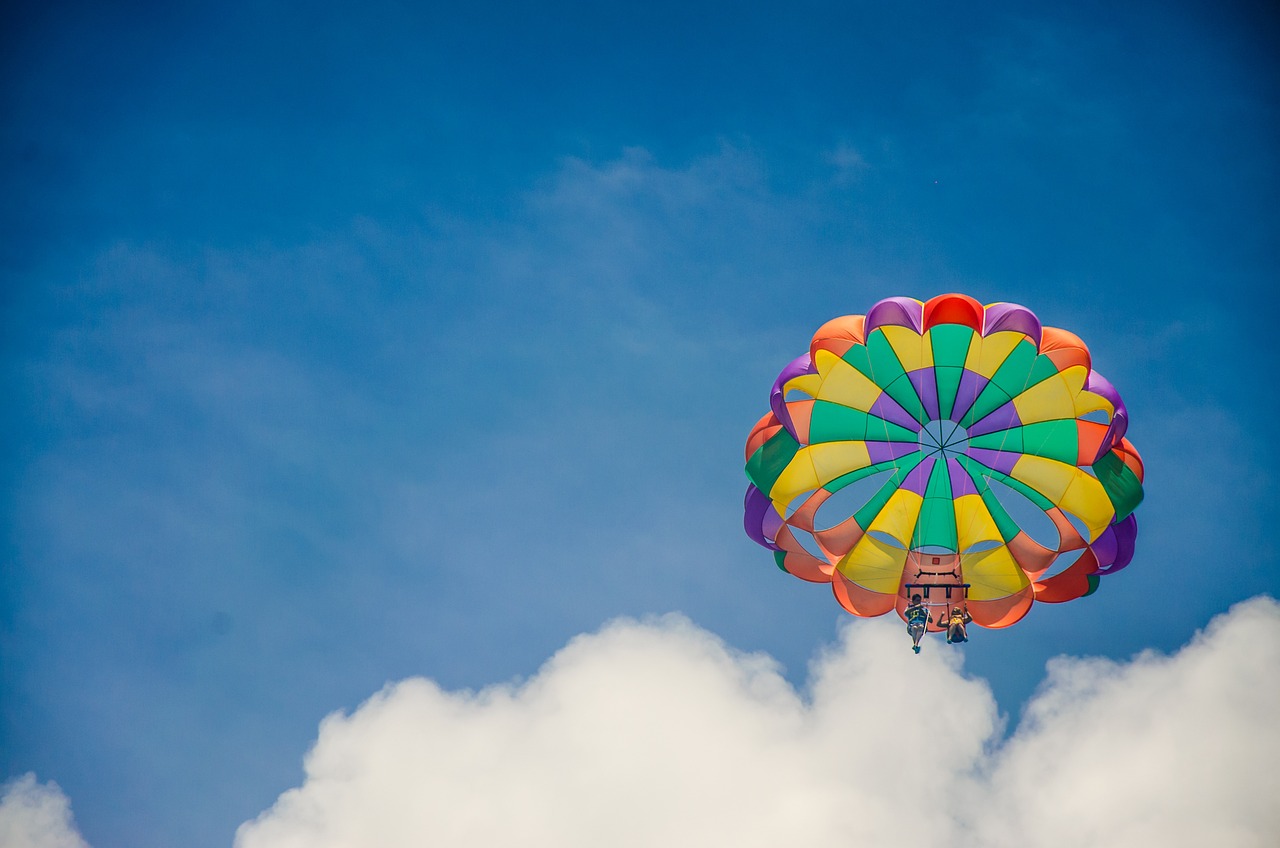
956,622
918,619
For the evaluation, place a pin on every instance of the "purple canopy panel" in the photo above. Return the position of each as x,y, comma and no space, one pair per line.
1105,547
1002,461
971,385
771,525
887,408
961,483
1126,536
1001,418
885,451
756,504
1100,385
918,478
896,311
777,397
926,389
1010,316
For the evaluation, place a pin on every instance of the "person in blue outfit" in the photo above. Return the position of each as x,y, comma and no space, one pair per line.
918,619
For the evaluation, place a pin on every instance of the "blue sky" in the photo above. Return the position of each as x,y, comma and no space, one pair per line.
349,344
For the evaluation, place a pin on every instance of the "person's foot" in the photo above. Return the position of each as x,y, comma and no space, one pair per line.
915,648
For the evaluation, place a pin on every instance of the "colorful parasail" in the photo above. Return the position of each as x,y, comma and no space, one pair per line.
949,449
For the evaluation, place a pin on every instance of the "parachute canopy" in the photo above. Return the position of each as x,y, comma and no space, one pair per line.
962,452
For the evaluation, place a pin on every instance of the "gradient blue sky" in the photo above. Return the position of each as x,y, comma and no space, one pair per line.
344,343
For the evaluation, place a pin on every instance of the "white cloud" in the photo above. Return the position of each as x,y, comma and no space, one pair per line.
34,815
1179,750
656,733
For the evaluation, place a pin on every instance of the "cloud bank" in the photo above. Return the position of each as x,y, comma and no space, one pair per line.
34,815
656,733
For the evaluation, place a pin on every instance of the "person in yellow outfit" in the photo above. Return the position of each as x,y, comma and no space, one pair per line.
956,622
